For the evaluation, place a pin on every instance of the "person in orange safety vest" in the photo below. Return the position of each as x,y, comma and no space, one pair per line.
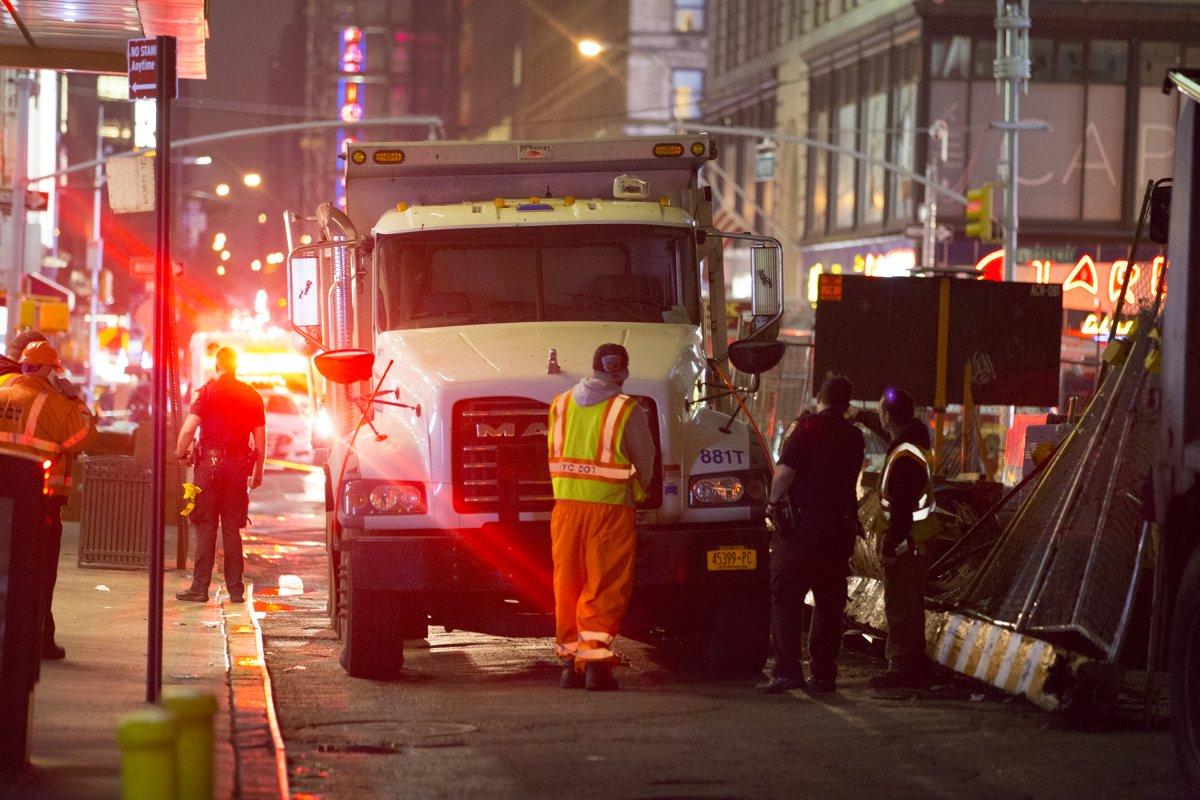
36,418
601,462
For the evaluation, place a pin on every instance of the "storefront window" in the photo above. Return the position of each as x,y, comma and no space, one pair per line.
1156,117
904,150
1069,62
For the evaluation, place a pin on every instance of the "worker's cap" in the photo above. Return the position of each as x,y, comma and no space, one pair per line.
23,340
611,361
40,354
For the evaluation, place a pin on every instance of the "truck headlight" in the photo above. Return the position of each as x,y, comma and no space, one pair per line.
740,489
717,490
363,498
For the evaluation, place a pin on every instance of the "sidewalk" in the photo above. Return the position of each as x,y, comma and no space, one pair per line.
101,616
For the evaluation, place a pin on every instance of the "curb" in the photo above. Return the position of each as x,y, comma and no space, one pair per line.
260,760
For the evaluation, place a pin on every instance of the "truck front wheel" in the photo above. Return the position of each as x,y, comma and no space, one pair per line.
372,641
1185,672
739,636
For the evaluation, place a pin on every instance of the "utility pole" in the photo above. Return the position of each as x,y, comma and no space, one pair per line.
939,136
20,181
96,257
1011,71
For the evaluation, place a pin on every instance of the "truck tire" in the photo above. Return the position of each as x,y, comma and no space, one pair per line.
1185,674
739,636
372,642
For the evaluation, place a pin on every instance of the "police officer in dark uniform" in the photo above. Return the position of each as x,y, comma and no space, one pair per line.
230,456
818,473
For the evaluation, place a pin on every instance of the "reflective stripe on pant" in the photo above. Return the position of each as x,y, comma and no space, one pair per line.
904,608
593,546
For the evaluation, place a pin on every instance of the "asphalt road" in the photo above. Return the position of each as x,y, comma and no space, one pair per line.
477,716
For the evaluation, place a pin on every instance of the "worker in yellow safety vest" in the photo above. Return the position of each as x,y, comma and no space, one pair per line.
907,524
601,463
38,419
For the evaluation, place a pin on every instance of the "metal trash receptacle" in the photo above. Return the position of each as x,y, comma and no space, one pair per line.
114,524
22,535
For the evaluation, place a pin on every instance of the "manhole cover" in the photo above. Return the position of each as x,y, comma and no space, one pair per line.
381,736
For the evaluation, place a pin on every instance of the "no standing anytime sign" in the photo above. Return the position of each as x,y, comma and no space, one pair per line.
142,59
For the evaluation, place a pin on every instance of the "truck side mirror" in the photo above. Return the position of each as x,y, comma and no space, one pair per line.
1160,213
345,366
766,290
755,356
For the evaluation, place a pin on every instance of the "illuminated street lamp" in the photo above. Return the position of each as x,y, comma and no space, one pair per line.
218,242
590,48
225,255
222,190
255,265
252,179
220,269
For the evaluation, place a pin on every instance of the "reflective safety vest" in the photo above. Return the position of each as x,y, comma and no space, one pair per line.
8,377
586,459
925,525
36,420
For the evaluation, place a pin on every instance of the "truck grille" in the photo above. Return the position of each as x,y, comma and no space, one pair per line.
496,431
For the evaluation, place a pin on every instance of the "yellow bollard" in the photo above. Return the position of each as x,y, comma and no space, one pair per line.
193,712
147,741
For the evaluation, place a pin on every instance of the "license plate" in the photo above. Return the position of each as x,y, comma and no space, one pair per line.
732,558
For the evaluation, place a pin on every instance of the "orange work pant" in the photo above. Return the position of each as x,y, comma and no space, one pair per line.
592,545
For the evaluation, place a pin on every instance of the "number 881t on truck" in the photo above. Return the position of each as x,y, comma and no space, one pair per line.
465,286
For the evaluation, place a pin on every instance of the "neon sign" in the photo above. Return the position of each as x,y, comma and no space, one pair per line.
352,50
1087,284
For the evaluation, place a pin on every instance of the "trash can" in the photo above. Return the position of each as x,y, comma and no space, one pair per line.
22,532
114,523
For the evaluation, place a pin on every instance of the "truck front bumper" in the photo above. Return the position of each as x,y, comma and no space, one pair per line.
491,560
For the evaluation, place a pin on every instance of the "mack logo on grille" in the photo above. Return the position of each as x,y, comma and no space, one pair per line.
508,429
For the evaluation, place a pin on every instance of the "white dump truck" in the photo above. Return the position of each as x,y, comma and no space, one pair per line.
465,285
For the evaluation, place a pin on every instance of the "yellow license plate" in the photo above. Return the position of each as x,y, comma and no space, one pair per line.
732,558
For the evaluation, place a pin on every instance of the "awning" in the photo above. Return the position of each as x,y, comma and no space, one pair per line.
91,35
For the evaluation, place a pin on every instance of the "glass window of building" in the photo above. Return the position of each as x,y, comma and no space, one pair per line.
846,122
1156,117
873,183
818,158
687,86
1041,59
1068,62
904,133
950,57
1108,61
985,53
689,16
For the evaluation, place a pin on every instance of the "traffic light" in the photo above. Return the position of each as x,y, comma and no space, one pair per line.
979,213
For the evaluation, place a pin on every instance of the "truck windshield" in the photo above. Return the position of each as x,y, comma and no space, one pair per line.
624,273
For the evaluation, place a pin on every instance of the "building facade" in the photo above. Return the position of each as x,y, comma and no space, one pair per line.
871,77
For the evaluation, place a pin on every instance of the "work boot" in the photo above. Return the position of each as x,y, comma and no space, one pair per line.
821,686
599,678
778,685
571,677
192,596
237,598
53,652
892,680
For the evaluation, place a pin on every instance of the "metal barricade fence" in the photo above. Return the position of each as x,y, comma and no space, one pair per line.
114,527
783,392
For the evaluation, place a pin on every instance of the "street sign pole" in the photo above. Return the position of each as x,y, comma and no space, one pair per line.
20,156
164,89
